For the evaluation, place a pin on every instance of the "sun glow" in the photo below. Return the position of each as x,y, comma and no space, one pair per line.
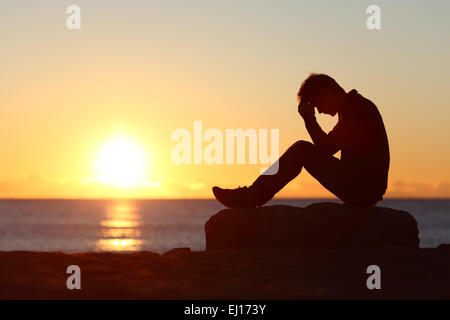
121,162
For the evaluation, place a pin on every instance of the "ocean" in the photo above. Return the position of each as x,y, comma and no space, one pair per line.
154,225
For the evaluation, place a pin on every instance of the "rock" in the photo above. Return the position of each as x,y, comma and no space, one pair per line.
320,225
176,251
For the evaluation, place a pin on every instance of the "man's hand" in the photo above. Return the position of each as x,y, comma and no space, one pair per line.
306,110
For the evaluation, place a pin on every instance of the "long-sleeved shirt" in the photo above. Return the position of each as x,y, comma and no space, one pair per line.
361,136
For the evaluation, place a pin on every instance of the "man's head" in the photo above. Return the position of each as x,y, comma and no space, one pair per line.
323,92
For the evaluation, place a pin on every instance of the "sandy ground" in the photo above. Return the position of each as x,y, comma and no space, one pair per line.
228,274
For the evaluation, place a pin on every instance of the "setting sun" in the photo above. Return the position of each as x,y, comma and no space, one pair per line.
121,162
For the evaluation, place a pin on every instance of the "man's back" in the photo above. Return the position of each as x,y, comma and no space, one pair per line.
361,134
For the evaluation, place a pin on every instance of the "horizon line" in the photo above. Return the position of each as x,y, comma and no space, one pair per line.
206,198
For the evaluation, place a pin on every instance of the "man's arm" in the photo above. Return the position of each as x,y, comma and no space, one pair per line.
318,136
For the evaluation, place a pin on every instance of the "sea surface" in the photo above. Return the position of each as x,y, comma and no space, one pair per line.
154,225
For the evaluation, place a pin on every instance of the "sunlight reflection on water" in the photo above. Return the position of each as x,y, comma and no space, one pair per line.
154,225
121,228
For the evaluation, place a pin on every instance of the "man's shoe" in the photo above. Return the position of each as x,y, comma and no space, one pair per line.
241,197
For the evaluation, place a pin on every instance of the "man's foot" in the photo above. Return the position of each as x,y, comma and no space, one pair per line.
241,197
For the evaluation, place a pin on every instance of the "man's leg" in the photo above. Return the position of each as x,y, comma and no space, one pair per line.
325,168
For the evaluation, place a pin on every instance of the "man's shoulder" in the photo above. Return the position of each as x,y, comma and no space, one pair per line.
354,98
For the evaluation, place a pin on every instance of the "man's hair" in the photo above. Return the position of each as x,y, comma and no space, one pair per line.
314,86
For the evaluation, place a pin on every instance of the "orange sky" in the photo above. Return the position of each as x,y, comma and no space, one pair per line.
145,69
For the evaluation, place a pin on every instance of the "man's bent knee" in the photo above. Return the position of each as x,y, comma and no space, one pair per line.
303,145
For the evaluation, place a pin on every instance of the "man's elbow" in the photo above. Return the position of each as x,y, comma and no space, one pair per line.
327,148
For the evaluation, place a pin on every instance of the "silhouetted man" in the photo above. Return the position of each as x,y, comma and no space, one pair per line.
359,177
